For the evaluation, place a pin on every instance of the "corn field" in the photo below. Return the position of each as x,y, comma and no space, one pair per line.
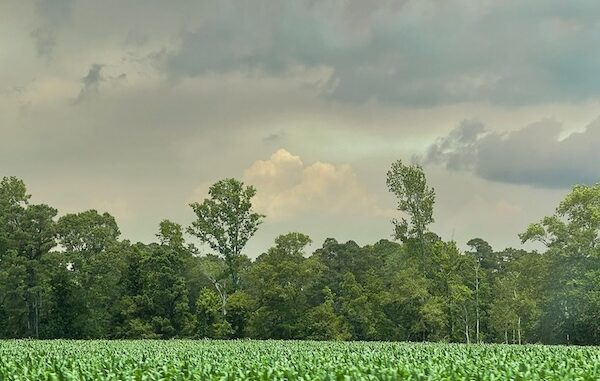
290,360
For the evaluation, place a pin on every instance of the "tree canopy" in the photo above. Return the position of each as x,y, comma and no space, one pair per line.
74,277
225,221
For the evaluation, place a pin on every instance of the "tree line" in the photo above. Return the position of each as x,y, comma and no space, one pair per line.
74,277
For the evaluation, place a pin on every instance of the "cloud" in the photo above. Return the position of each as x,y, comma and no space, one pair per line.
274,137
45,40
52,14
534,155
198,90
288,188
90,83
399,52
459,149
419,53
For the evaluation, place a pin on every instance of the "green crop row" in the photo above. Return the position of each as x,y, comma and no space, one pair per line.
290,360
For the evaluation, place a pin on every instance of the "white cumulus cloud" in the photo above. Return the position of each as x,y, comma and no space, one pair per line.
288,188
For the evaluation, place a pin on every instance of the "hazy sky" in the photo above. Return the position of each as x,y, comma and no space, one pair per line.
136,107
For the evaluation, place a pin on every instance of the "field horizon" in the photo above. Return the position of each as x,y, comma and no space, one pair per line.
290,360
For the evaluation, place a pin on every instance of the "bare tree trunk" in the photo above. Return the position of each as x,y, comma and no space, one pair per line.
518,320
29,320
519,329
222,291
32,304
33,314
505,336
38,305
467,337
477,301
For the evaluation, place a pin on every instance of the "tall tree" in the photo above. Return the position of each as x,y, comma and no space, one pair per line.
575,227
481,252
155,301
415,198
93,254
226,221
572,238
280,281
35,235
13,201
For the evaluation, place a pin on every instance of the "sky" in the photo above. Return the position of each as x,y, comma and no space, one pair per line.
137,107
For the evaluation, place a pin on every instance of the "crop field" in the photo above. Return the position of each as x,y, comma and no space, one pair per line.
290,360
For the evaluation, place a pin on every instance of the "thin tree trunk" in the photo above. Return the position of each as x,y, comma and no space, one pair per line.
31,303
33,315
38,303
477,301
519,329
467,326
518,322
222,291
232,272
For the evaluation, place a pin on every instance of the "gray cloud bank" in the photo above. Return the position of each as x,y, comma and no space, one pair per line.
129,106
90,83
534,155
402,52
52,15
407,52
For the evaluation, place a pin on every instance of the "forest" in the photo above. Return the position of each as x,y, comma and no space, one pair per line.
74,276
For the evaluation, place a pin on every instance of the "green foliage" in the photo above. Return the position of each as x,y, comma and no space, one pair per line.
572,238
575,226
279,281
184,360
13,201
225,221
210,321
240,305
415,198
322,322
87,232
171,234
74,278
154,301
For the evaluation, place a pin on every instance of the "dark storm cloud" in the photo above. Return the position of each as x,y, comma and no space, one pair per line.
45,40
460,148
90,83
413,52
52,14
534,155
